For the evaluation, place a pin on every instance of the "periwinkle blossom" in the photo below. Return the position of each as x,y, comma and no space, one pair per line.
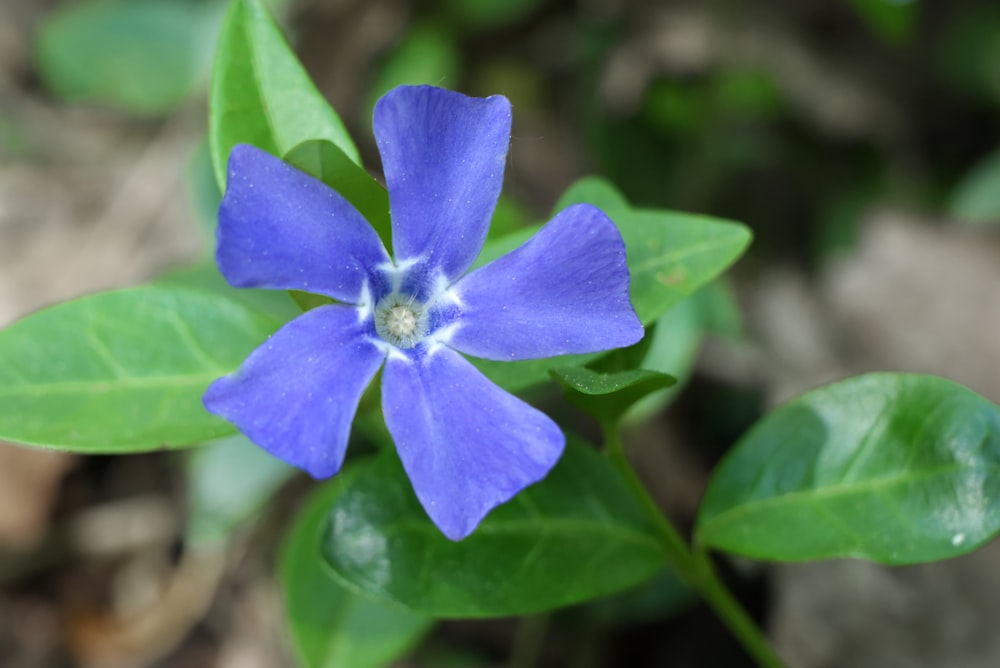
466,444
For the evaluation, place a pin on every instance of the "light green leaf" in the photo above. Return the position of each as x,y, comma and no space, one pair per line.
331,626
123,371
229,481
670,256
895,468
261,95
140,57
276,304
575,536
203,192
976,199
426,55
593,190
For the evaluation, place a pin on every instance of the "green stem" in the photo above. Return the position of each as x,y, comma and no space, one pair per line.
693,566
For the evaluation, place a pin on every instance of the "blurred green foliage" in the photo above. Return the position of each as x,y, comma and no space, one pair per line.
142,57
727,134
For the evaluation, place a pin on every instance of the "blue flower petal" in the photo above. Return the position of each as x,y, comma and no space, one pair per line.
564,291
280,228
466,445
443,157
296,395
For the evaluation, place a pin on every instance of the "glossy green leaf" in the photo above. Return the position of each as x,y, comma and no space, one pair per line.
575,536
976,199
261,95
606,396
229,481
895,468
331,626
140,57
670,256
325,161
123,371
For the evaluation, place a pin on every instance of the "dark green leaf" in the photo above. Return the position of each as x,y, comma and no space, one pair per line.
575,536
607,396
229,481
123,371
894,468
492,13
331,626
892,20
324,160
662,596
627,358
140,57
260,94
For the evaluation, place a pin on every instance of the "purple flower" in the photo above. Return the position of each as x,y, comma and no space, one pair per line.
466,444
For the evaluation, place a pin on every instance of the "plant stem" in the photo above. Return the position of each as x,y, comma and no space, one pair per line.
694,567
528,641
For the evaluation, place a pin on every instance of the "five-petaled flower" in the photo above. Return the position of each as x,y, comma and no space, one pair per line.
466,444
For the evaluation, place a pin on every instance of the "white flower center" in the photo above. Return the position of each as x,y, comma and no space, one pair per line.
400,321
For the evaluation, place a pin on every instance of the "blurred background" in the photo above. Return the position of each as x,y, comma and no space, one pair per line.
859,139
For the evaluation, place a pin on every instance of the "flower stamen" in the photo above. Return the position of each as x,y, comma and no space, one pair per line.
400,321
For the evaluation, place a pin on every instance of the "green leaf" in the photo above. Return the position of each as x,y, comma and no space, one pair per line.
276,304
575,536
123,371
895,468
331,626
976,199
673,346
229,481
140,57
593,190
261,95
891,20
607,396
428,54
670,256
325,161
491,13
203,192
664,595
